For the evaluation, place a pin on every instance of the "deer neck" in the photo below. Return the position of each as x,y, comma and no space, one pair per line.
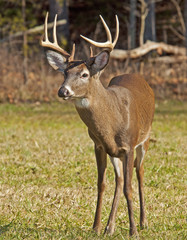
95,96
93,109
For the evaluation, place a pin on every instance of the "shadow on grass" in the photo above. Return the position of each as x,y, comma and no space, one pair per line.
171,108
14,230
5,228
171,112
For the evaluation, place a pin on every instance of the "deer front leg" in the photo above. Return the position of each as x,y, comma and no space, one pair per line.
140,175
101,159
128,164
140,153
118,168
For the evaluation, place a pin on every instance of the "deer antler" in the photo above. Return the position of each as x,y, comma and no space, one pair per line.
108,44
54,45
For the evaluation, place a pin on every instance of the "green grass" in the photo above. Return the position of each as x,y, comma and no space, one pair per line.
48,175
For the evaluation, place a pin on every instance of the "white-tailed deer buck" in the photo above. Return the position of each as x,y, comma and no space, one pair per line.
118,118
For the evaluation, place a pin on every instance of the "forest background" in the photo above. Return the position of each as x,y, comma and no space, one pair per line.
152,41
48,174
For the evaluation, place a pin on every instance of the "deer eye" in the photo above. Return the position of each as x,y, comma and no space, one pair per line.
84,75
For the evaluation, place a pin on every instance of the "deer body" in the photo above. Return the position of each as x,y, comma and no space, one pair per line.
118,118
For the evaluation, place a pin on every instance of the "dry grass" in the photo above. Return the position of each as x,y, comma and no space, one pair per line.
167,80
48,175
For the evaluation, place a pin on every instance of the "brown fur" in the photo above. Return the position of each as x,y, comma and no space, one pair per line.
119,119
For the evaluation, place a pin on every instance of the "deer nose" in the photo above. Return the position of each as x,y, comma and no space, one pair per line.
63,92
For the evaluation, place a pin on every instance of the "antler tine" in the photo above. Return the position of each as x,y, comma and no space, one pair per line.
71,58
91,52
45,27
109,37
117,32
108,44
54,45
54,31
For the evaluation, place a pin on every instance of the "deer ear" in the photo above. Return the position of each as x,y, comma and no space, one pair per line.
56,60
101,60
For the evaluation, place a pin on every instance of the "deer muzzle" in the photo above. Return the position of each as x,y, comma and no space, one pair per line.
65,92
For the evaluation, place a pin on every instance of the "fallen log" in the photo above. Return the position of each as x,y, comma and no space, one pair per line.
146,48
169,59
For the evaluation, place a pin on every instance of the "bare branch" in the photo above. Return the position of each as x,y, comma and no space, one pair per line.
34,30
180,36
146,48
144,12
169,59
180,15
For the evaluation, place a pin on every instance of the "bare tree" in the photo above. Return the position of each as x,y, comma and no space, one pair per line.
150,26
179,12
25,45
56,7
185,18
144,12
132,28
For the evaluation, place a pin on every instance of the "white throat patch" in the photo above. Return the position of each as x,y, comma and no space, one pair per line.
82,103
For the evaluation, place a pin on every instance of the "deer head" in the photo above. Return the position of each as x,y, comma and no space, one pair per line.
77,73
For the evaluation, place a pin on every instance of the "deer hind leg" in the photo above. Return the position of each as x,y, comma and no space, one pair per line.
101,159
118,168
140,153
128,163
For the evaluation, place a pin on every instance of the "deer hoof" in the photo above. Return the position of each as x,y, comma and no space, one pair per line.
144,225
97,230
109,230
134,234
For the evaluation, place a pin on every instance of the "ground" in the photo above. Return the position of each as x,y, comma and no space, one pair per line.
48,175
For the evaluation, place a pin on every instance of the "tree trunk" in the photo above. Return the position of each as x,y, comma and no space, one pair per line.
132,28
62,10
144,12
150,29
25,47
185,19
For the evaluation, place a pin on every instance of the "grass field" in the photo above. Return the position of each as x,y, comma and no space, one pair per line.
48,175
